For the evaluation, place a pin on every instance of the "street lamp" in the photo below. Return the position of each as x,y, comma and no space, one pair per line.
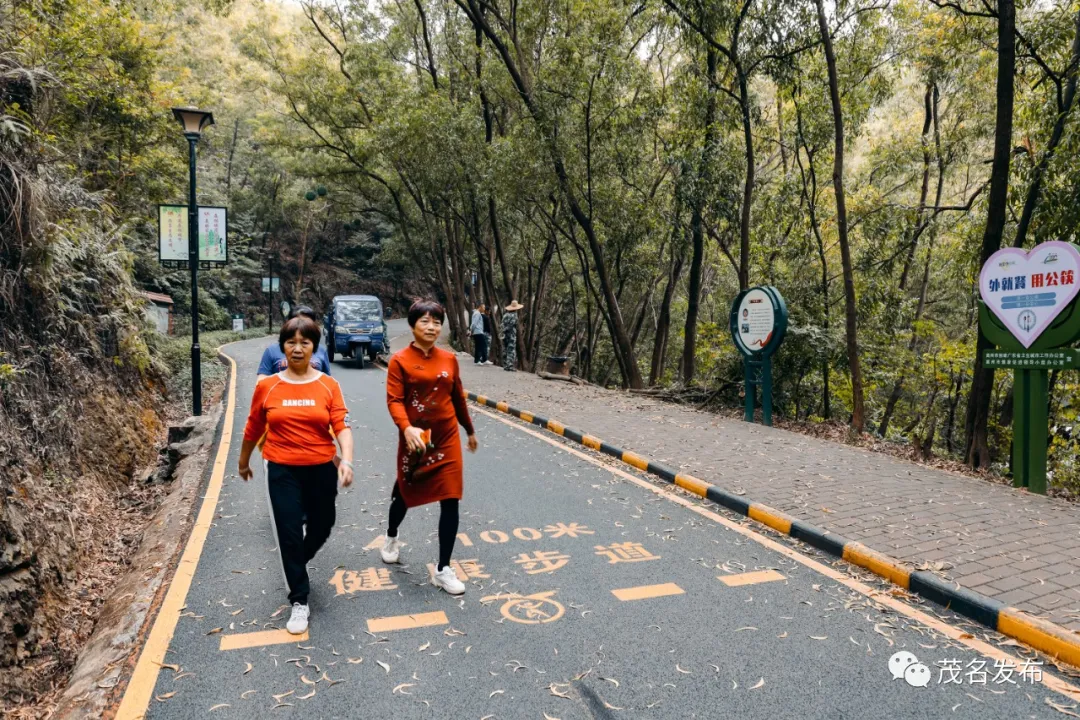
193,121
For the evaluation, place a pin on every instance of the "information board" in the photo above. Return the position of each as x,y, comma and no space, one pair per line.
1027,290
173,236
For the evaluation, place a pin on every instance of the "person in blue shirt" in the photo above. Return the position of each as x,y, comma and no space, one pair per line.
273,360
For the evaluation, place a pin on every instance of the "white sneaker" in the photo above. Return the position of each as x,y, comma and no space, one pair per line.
487,362
447,579
391,550
297,624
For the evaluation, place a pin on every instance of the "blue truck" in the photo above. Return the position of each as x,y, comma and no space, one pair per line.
355,328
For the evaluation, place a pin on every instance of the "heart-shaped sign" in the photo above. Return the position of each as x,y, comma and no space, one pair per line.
1027,290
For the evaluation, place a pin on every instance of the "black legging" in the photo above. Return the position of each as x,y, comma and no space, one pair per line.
448,524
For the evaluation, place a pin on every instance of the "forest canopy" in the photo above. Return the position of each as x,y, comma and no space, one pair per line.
622,168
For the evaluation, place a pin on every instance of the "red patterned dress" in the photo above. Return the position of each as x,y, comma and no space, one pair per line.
425,391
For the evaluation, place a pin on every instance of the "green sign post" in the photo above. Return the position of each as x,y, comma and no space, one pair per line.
758,323
1029,311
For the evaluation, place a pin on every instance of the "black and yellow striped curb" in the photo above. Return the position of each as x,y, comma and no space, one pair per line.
1052,639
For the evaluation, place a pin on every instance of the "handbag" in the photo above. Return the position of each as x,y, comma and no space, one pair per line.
416,457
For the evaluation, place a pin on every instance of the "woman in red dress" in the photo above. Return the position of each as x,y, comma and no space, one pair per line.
427,401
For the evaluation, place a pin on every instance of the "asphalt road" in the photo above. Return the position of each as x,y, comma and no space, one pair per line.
588,596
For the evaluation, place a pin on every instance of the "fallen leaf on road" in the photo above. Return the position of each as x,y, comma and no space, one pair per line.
1063,709
613,681
306,647
174,668
550,717
308,696
304,679
282,705
684,672
355,661
782,635
166,696
497,692
424,647
248,669
609,706
384,666
215,631
554,689
243,695
966,636
330,681
758,684
282,695
279,611
819,637
218,707
401,688
748,627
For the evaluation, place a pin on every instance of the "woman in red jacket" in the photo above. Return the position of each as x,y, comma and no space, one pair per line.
427,402
297,408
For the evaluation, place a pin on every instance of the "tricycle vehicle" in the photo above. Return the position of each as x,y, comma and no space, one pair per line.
355,328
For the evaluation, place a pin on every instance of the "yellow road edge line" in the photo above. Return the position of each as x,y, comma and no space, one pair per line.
140,687
407,622
1049,681
751,578
1051,639
858,554
644,592
240,641
768,516
692,484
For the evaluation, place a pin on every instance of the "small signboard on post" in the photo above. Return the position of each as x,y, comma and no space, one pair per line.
173,236
758,323
1029,311
267,285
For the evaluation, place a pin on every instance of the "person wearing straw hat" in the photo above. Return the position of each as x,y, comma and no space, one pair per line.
510,333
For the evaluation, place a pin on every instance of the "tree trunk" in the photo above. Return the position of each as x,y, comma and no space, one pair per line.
977,453
697,233
1035,188
617,327
850,306
663,322
748,182
810,196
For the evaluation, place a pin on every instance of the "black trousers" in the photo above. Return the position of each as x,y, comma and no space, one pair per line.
302,507
480,348
448,524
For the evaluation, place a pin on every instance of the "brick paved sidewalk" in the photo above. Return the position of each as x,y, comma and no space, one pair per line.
1021,549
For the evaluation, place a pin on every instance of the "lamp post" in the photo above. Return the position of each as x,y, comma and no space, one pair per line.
193,121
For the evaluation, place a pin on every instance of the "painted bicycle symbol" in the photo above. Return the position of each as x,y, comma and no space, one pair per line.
532,609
